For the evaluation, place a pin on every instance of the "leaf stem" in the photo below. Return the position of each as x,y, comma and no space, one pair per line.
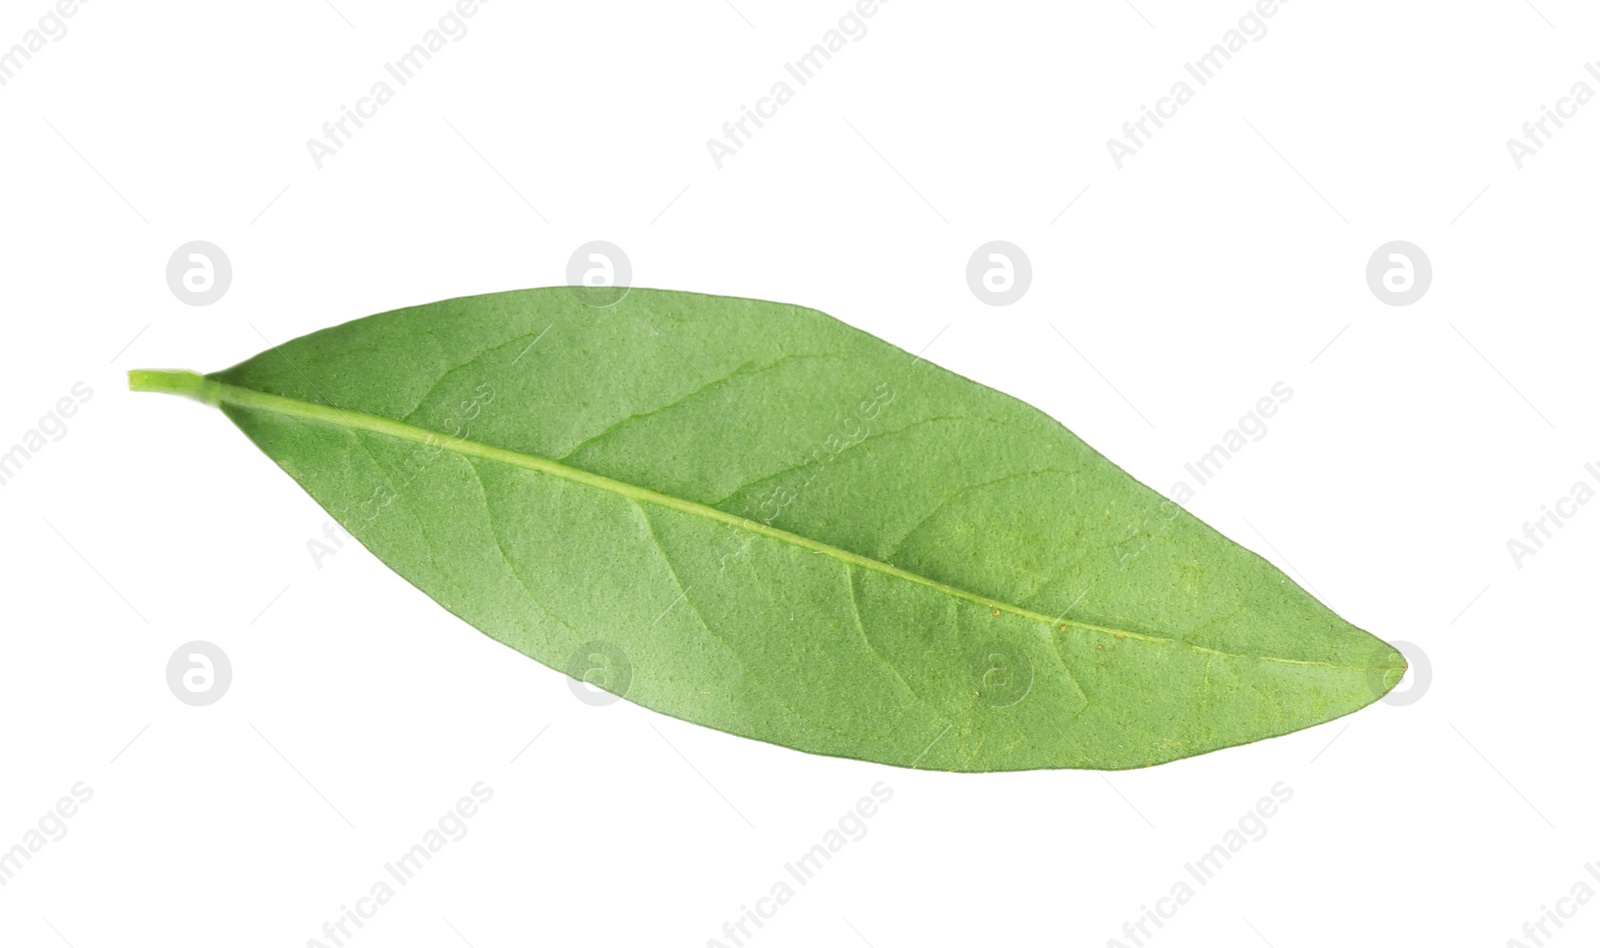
176,382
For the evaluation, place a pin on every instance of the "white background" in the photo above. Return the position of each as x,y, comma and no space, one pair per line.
1228,255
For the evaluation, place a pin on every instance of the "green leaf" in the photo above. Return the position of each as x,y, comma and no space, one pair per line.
754,517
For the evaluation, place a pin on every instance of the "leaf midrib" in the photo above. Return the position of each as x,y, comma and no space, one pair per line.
216,393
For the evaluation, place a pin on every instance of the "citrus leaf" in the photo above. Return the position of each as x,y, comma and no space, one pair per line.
754,517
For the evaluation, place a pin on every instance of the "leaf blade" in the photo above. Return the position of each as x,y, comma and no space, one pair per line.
948,561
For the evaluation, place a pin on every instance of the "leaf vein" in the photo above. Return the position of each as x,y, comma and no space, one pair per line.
855,608
741,372
216,392
701,619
